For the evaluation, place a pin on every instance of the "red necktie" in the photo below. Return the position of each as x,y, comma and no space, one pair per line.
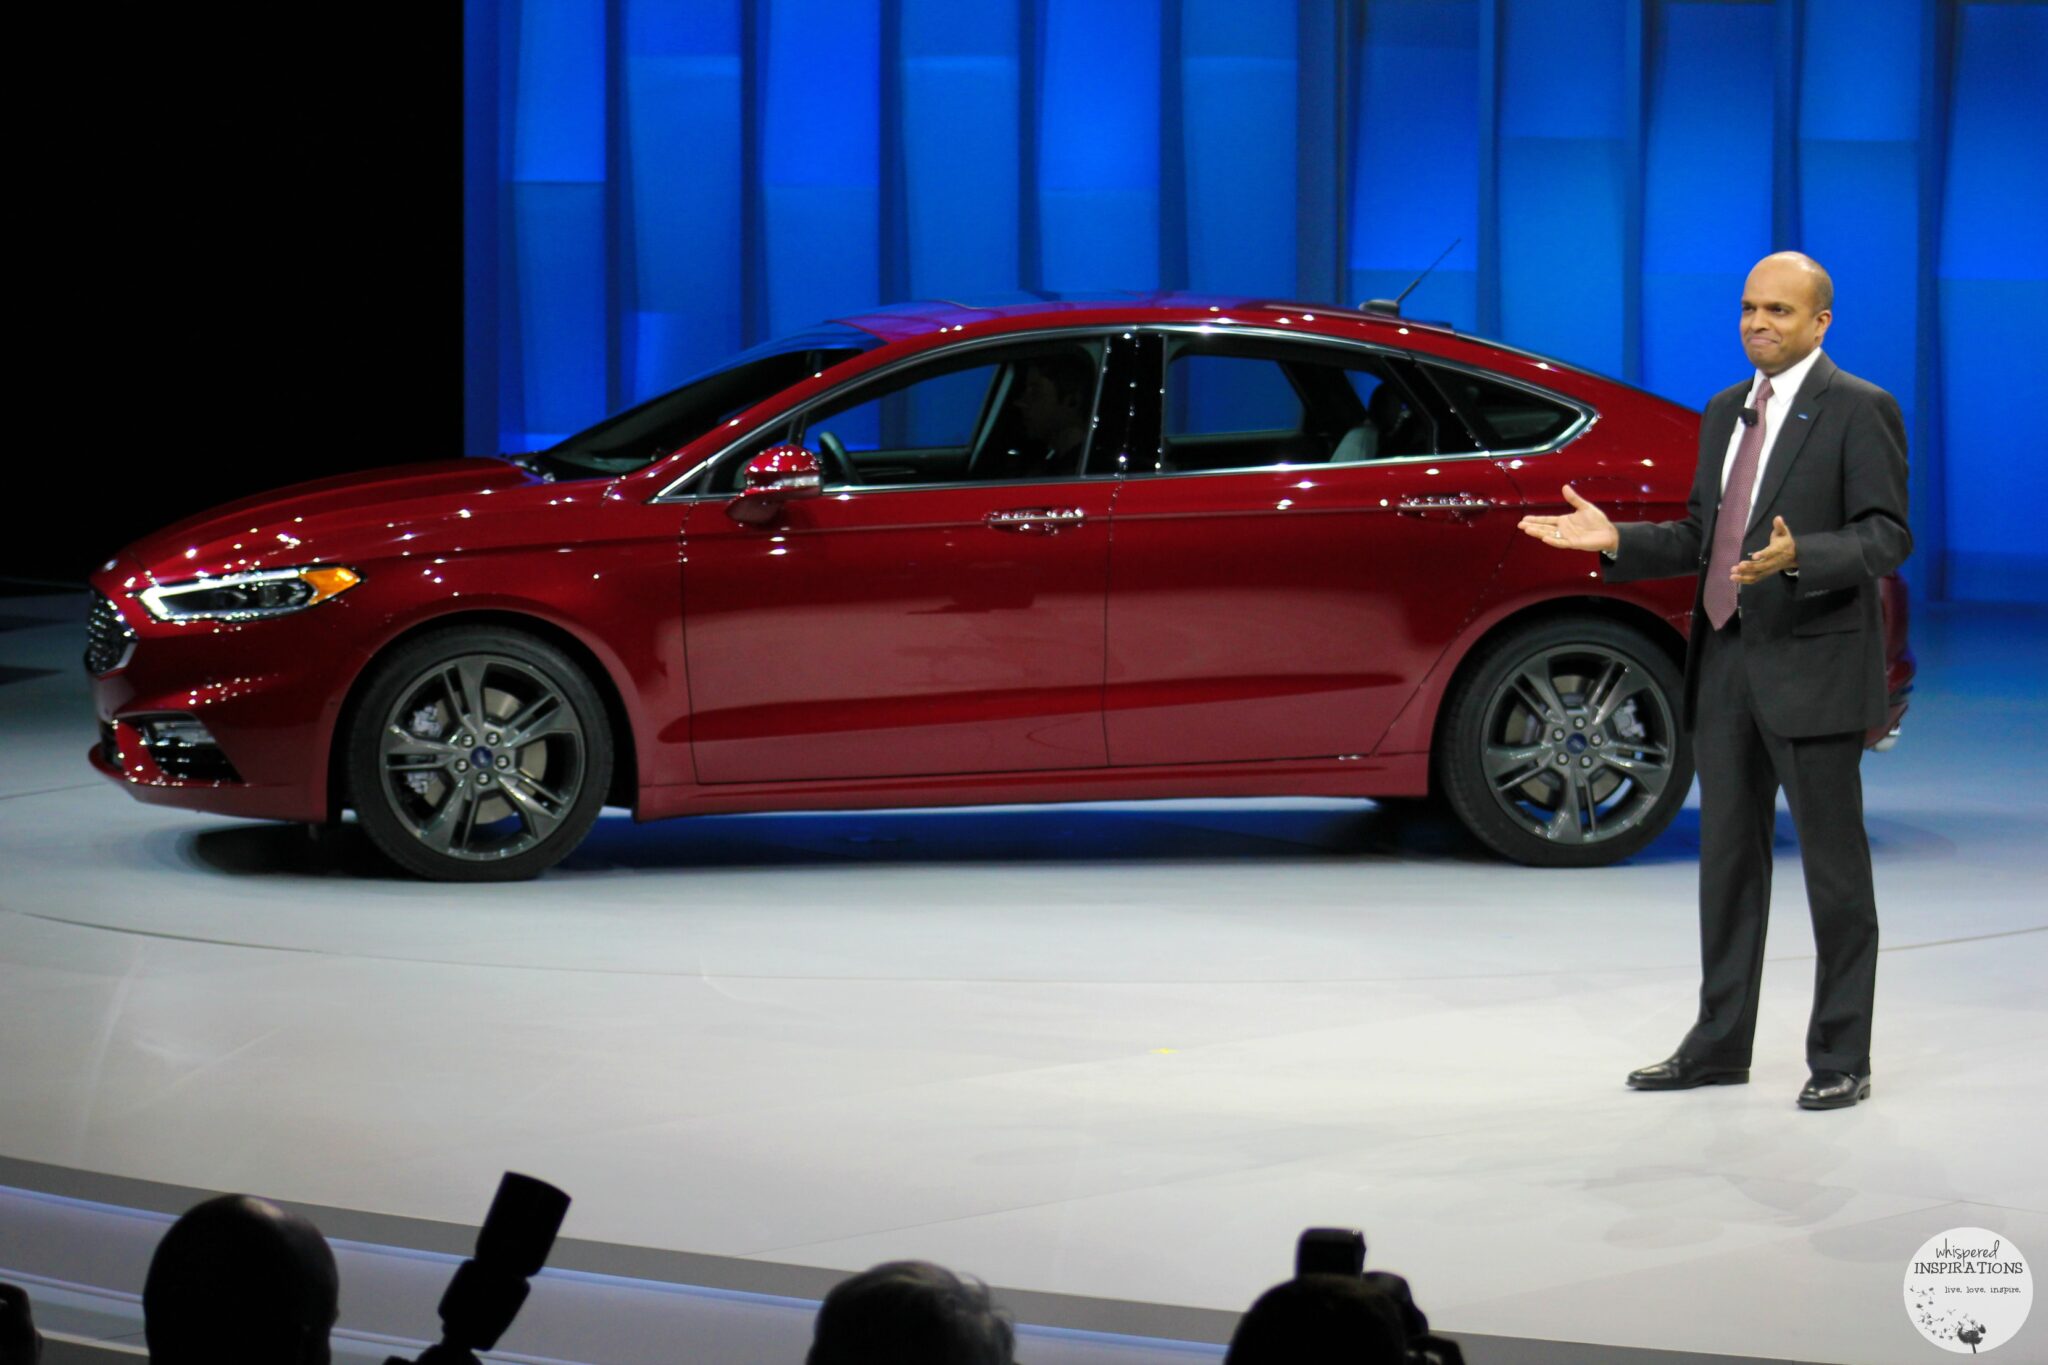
1733,518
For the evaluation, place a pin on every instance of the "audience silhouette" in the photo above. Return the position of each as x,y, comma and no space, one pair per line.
910,1313
1313,1319
238,1278
20,1343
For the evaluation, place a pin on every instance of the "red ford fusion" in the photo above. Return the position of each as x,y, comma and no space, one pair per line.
1052,550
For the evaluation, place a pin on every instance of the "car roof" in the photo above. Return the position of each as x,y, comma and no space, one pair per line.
902,321
1046,308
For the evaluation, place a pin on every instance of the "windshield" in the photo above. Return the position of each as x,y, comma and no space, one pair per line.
641,435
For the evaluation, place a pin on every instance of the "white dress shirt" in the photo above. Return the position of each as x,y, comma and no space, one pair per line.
1777,412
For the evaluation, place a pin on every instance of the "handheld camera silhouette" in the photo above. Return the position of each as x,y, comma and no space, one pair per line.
489,1288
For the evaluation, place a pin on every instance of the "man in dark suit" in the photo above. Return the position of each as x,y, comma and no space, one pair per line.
1798,508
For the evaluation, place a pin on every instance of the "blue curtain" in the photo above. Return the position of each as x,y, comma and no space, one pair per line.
654,184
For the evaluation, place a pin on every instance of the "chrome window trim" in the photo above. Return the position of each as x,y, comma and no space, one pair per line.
668,493
1587,419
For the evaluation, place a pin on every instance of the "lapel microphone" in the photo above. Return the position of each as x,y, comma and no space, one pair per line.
1749,417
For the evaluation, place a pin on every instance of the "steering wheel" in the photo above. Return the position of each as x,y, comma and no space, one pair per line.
832,455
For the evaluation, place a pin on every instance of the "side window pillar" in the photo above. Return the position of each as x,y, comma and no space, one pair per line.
1130,435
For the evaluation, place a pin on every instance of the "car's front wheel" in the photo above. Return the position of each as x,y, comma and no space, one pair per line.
1561,744
478,755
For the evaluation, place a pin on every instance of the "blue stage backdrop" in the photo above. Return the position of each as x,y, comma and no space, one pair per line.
654,184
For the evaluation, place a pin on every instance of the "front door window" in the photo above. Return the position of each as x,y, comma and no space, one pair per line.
1020,414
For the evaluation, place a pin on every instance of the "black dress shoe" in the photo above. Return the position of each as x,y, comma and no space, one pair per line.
1683,1073
1834,1090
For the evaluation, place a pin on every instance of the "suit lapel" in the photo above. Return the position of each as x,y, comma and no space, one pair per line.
1799,420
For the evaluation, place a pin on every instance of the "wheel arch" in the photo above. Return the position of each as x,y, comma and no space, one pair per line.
1421,725
625,782
1561,820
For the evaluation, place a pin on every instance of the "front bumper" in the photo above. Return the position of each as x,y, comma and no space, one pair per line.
144,781
266,691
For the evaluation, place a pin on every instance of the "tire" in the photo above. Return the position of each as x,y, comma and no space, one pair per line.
1561,744
478,755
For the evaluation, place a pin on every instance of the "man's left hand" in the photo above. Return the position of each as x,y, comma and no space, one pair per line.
1781,555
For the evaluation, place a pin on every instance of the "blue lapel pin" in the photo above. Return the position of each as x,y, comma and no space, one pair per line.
1801,416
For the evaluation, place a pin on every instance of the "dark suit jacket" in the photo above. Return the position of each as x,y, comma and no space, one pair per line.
1814,644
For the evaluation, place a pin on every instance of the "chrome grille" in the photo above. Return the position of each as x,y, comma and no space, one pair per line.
108,640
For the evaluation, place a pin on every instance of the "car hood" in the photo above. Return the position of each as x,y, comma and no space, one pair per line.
310,522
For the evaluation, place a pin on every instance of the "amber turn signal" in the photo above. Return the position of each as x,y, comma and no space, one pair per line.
327,582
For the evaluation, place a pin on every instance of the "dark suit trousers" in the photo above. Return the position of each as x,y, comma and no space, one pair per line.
1741,766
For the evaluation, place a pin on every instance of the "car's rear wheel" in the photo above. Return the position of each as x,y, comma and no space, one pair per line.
1561,744
478,755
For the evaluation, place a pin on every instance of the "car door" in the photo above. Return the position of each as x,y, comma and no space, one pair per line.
1307,539
938,609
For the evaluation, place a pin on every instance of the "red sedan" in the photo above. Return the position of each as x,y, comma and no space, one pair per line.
943,555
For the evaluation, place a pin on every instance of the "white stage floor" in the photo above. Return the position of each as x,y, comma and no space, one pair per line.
1119,1053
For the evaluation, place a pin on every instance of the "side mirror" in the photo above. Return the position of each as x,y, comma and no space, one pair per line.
772,478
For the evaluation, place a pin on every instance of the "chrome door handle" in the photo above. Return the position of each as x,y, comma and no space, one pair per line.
1042,521
1450,506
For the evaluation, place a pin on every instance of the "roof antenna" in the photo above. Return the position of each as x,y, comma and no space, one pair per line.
1392,307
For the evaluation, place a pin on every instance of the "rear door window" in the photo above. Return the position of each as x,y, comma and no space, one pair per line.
1226,395
1236,402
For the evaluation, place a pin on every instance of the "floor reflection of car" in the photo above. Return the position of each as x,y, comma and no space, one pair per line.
942,555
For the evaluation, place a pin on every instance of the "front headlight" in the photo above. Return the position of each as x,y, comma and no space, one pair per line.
247,596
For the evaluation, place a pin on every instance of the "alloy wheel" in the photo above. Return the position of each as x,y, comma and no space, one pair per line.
481,757
1580,743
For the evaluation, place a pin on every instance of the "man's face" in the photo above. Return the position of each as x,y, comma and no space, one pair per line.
1780,326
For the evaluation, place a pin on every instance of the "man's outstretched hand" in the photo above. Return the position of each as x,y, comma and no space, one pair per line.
1780,555
1585,527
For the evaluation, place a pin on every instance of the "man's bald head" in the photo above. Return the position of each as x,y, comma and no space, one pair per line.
1817,278
1787,303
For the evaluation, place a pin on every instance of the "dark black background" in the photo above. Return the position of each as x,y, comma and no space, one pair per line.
246,266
